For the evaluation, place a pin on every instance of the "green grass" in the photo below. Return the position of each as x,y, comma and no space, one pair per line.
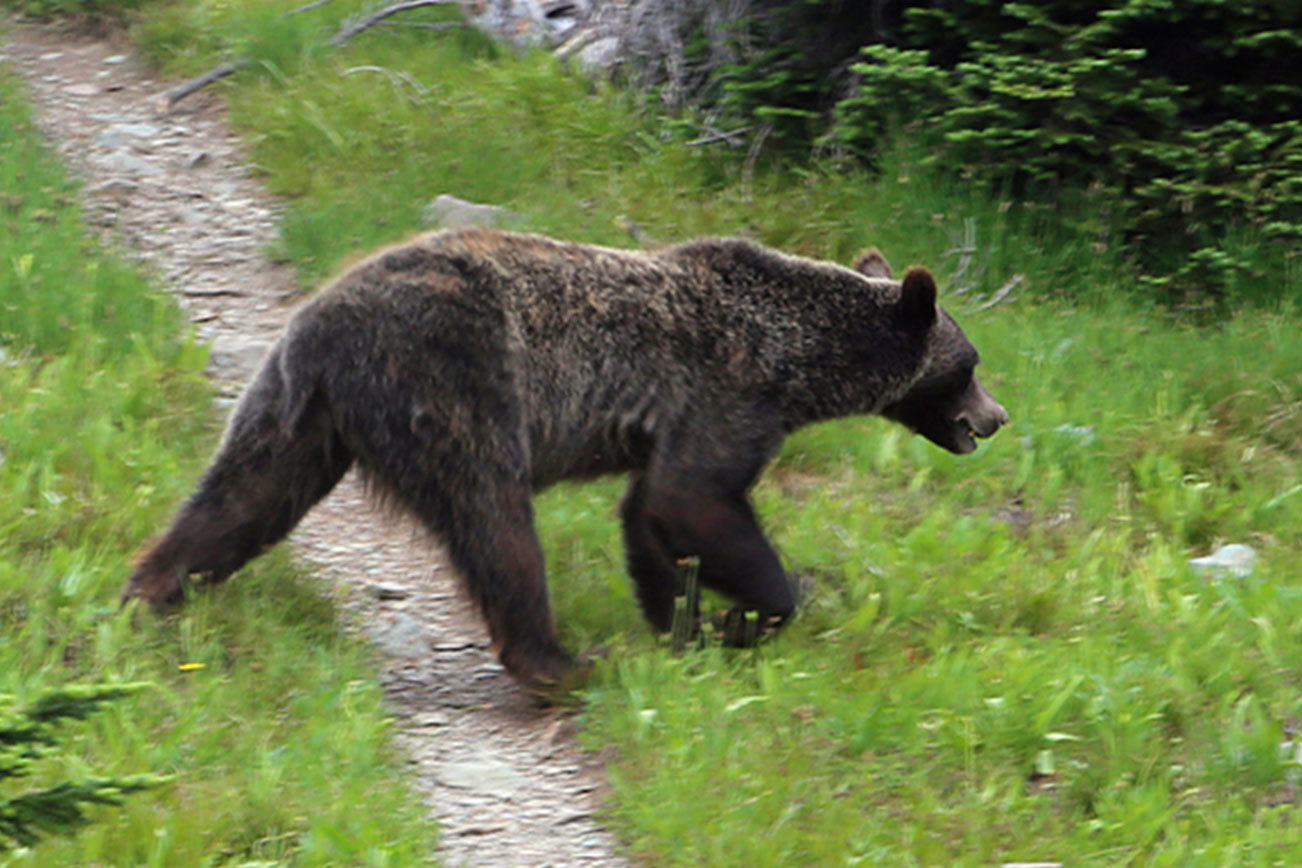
105,419
1003,657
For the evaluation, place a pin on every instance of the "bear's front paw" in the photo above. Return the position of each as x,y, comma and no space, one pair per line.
740,627
161,589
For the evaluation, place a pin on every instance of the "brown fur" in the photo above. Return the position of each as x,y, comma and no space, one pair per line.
462,371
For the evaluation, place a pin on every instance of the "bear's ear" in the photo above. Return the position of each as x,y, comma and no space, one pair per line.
871,263
918,299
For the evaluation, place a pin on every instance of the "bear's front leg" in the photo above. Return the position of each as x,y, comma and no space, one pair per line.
668,516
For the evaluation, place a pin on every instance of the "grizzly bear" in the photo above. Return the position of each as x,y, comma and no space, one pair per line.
464,370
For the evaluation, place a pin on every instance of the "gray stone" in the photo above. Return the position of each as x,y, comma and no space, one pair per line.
115,59
449,212
81,89
386,591
599,55
236,357
116,187
121,161
1082,434
481,773
121,135
433,719
401,636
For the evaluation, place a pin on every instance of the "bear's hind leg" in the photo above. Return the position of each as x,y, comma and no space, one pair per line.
260,484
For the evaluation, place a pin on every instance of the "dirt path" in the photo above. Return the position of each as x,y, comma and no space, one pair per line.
505,780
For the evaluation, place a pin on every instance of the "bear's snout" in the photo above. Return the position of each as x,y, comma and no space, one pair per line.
981,413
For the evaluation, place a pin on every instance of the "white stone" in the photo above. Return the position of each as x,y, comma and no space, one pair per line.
1235,559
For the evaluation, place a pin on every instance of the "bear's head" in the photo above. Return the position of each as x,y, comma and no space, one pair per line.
946,403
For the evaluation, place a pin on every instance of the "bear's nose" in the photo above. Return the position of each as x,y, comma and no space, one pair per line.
986,419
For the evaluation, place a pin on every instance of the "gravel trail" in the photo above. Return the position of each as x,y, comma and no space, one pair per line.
505,779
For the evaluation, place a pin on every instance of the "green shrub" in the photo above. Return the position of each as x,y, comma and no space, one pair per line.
1176,113
1175,117
48,9
27,735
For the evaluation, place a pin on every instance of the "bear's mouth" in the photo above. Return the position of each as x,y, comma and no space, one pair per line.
967,428
957,432
965,439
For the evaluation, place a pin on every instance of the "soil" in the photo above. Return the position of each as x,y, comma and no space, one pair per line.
505,779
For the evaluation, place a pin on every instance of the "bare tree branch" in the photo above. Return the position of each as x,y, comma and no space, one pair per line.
575,43
752,156
317,4
170,98
357,25
717,136
966,250
429,25
1001,293
397,79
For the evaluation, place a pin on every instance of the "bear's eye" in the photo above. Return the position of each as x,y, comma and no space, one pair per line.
960,378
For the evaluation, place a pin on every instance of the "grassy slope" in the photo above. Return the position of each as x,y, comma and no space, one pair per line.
958,689
105,420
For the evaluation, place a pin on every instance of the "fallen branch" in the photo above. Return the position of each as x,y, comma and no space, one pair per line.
634,230
752,156
575,43
170,98
356,26
1001,293
966,251
200,292
430,25
317,4
727,136
397,79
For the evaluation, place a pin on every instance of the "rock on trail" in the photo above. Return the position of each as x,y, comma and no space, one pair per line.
505,779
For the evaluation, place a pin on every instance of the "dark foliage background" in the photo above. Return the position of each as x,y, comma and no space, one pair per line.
1178,121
